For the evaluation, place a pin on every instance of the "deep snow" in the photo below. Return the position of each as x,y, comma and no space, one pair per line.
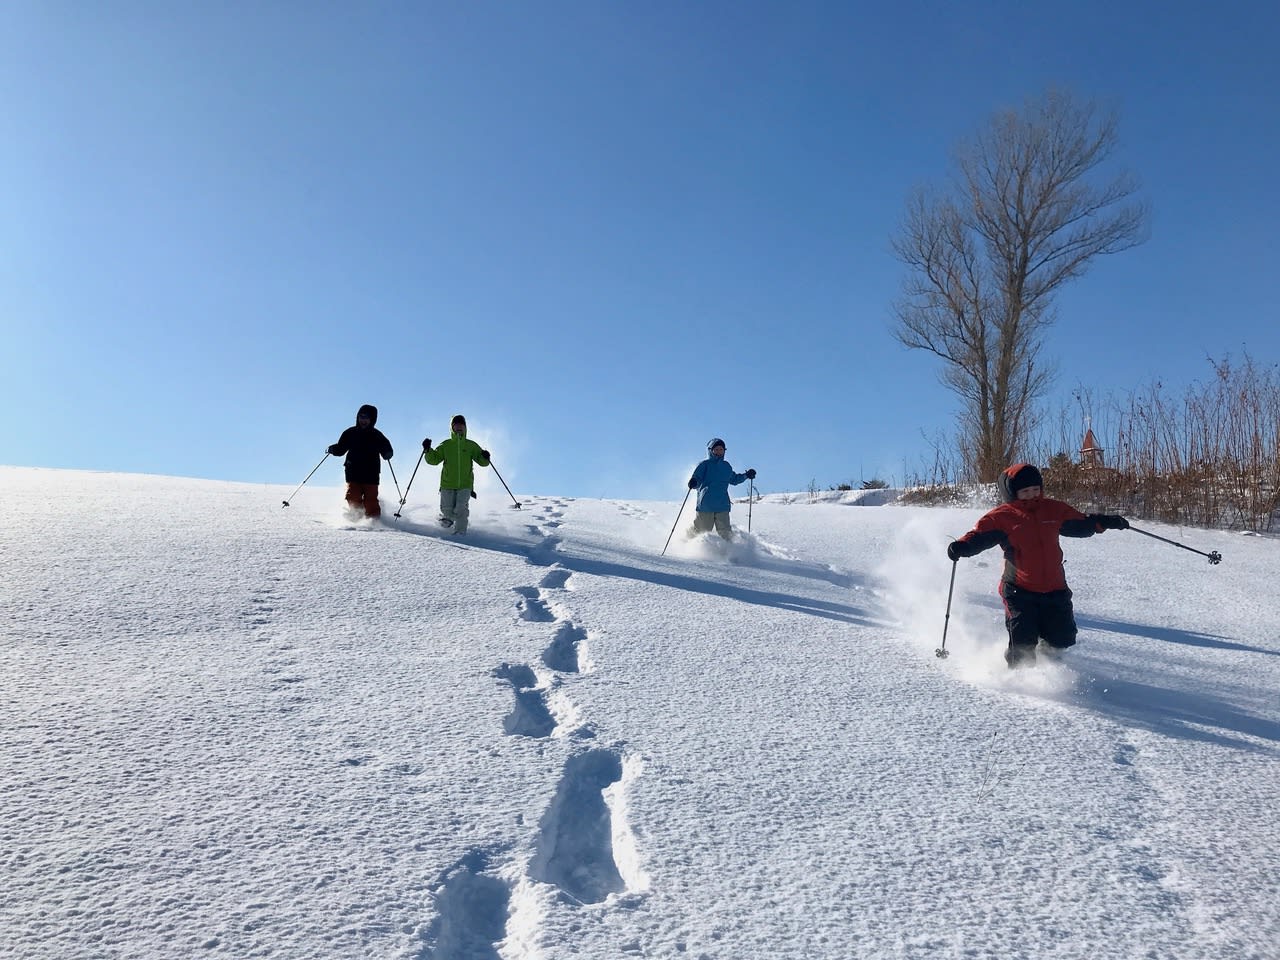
232,729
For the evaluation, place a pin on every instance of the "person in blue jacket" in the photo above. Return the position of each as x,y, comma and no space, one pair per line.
711,478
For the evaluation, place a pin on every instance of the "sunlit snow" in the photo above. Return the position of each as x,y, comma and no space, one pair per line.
233,729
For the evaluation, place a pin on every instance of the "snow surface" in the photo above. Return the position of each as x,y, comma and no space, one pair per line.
232,729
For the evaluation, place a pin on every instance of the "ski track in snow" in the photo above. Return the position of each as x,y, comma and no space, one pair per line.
573,851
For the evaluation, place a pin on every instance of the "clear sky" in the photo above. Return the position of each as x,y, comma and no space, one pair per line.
603,231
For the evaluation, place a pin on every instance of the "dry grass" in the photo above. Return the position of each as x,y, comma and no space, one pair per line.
1209,459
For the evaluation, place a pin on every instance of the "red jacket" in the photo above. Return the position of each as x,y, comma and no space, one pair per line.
1028,531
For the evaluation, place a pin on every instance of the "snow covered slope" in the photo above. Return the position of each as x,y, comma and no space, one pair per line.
231,729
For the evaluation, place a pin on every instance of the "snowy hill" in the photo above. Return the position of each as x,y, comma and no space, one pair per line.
236,730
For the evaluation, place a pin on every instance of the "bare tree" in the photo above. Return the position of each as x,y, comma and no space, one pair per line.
1027,212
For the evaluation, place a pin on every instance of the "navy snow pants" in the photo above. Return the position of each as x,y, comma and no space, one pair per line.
1030,616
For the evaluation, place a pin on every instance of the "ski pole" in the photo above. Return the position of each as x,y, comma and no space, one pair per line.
673,526
304,482
504,483
1213,555
941,652
394,480
751,499
409,486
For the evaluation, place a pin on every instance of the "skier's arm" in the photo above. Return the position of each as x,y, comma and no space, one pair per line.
479,457
975,541
340,448
386,447
434,456
1079,527
1076,524
986,533
1108,521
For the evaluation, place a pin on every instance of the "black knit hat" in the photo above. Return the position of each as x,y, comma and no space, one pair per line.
1018,477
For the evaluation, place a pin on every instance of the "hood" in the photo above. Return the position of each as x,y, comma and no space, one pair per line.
1014,478
463,431
371,410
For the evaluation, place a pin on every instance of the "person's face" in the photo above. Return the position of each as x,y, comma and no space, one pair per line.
459,426
1030,493
363,420
718,450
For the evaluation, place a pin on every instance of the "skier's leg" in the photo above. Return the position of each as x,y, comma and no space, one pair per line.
461,510
355,497
372,508
1058,620
722,524
702,522
447,500
1020,620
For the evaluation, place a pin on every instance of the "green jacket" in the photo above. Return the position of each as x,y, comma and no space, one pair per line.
457,453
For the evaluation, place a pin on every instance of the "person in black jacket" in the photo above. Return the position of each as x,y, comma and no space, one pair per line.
363,444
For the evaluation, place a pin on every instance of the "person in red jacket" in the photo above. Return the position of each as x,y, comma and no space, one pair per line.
1037,600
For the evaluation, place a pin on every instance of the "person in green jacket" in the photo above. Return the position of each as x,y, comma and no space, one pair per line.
456,479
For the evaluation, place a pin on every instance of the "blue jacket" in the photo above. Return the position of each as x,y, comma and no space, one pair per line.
714,476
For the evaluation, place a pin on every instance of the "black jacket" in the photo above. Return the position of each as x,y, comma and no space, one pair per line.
363,446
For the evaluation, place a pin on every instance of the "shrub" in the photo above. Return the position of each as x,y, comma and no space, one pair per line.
940,495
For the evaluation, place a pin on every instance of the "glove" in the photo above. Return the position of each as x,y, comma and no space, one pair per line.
426,444
473,495
1112,521
485,454
953,551
693,483
332,450
751,473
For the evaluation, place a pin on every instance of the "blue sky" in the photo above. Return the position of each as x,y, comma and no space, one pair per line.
604,231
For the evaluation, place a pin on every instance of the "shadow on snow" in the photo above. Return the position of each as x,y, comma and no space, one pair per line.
546,551
1179,714
1170,635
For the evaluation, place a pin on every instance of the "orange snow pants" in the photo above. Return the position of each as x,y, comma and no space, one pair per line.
364,496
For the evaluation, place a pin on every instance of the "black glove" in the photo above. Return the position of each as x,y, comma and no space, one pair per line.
485,454
333,450
751,473
426,444
473,495
1112,521
693,483
954,551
